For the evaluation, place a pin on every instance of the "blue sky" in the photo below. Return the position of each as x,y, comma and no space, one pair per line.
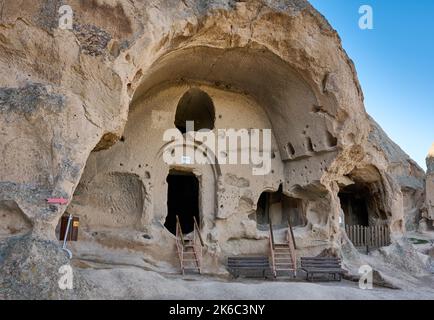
395,65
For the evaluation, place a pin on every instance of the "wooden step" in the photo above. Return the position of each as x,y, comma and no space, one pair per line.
283,260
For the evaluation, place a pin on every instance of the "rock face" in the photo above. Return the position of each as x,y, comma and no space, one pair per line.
83,113
430,184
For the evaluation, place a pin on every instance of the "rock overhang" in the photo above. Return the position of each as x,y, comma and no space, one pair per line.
282,54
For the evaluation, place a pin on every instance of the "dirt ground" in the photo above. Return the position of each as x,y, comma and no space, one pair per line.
136,283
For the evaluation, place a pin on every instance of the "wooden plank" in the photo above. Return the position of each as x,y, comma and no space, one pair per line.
388,235
247,258
386,242
377,229
381,236
374,236
320,258
331,270
320,262
292,234
248,262
385,236
324,263
358,235
359,231
322,267
250,268
355,235
248,265
364,236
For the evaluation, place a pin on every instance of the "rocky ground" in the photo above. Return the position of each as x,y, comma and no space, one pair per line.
403,270
126,282
68,99
136,283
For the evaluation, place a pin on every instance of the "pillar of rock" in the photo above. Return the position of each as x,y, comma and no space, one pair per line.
430,183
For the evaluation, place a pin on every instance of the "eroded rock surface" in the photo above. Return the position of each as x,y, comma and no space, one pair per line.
83,112
430,185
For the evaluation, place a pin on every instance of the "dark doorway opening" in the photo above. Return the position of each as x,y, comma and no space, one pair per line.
365,217
182,201
354,202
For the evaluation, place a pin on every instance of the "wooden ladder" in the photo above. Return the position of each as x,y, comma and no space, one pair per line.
283,257
189,250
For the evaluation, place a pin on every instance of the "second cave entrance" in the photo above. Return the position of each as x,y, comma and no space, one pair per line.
182,201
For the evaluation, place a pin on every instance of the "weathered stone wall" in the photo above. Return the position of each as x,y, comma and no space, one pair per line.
66,93
430,185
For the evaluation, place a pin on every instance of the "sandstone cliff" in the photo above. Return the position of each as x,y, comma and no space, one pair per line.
67,97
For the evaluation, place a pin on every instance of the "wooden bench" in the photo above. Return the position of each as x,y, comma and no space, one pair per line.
322,266
249,266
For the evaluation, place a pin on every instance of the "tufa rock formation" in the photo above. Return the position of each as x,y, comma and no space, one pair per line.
430,185
83,112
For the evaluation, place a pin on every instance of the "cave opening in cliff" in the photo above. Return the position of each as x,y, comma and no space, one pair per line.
182,201
363,205
354,203
198,107
365,215
279,209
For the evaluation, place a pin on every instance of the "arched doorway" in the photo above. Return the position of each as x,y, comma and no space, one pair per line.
182,201
197,106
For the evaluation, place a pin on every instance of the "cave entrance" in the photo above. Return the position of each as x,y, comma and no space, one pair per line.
182,201
365,216
361,206
354,203
197,106
279,209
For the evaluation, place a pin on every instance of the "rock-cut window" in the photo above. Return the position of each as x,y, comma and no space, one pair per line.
197,106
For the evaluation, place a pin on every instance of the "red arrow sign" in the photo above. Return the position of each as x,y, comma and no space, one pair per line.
57,201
